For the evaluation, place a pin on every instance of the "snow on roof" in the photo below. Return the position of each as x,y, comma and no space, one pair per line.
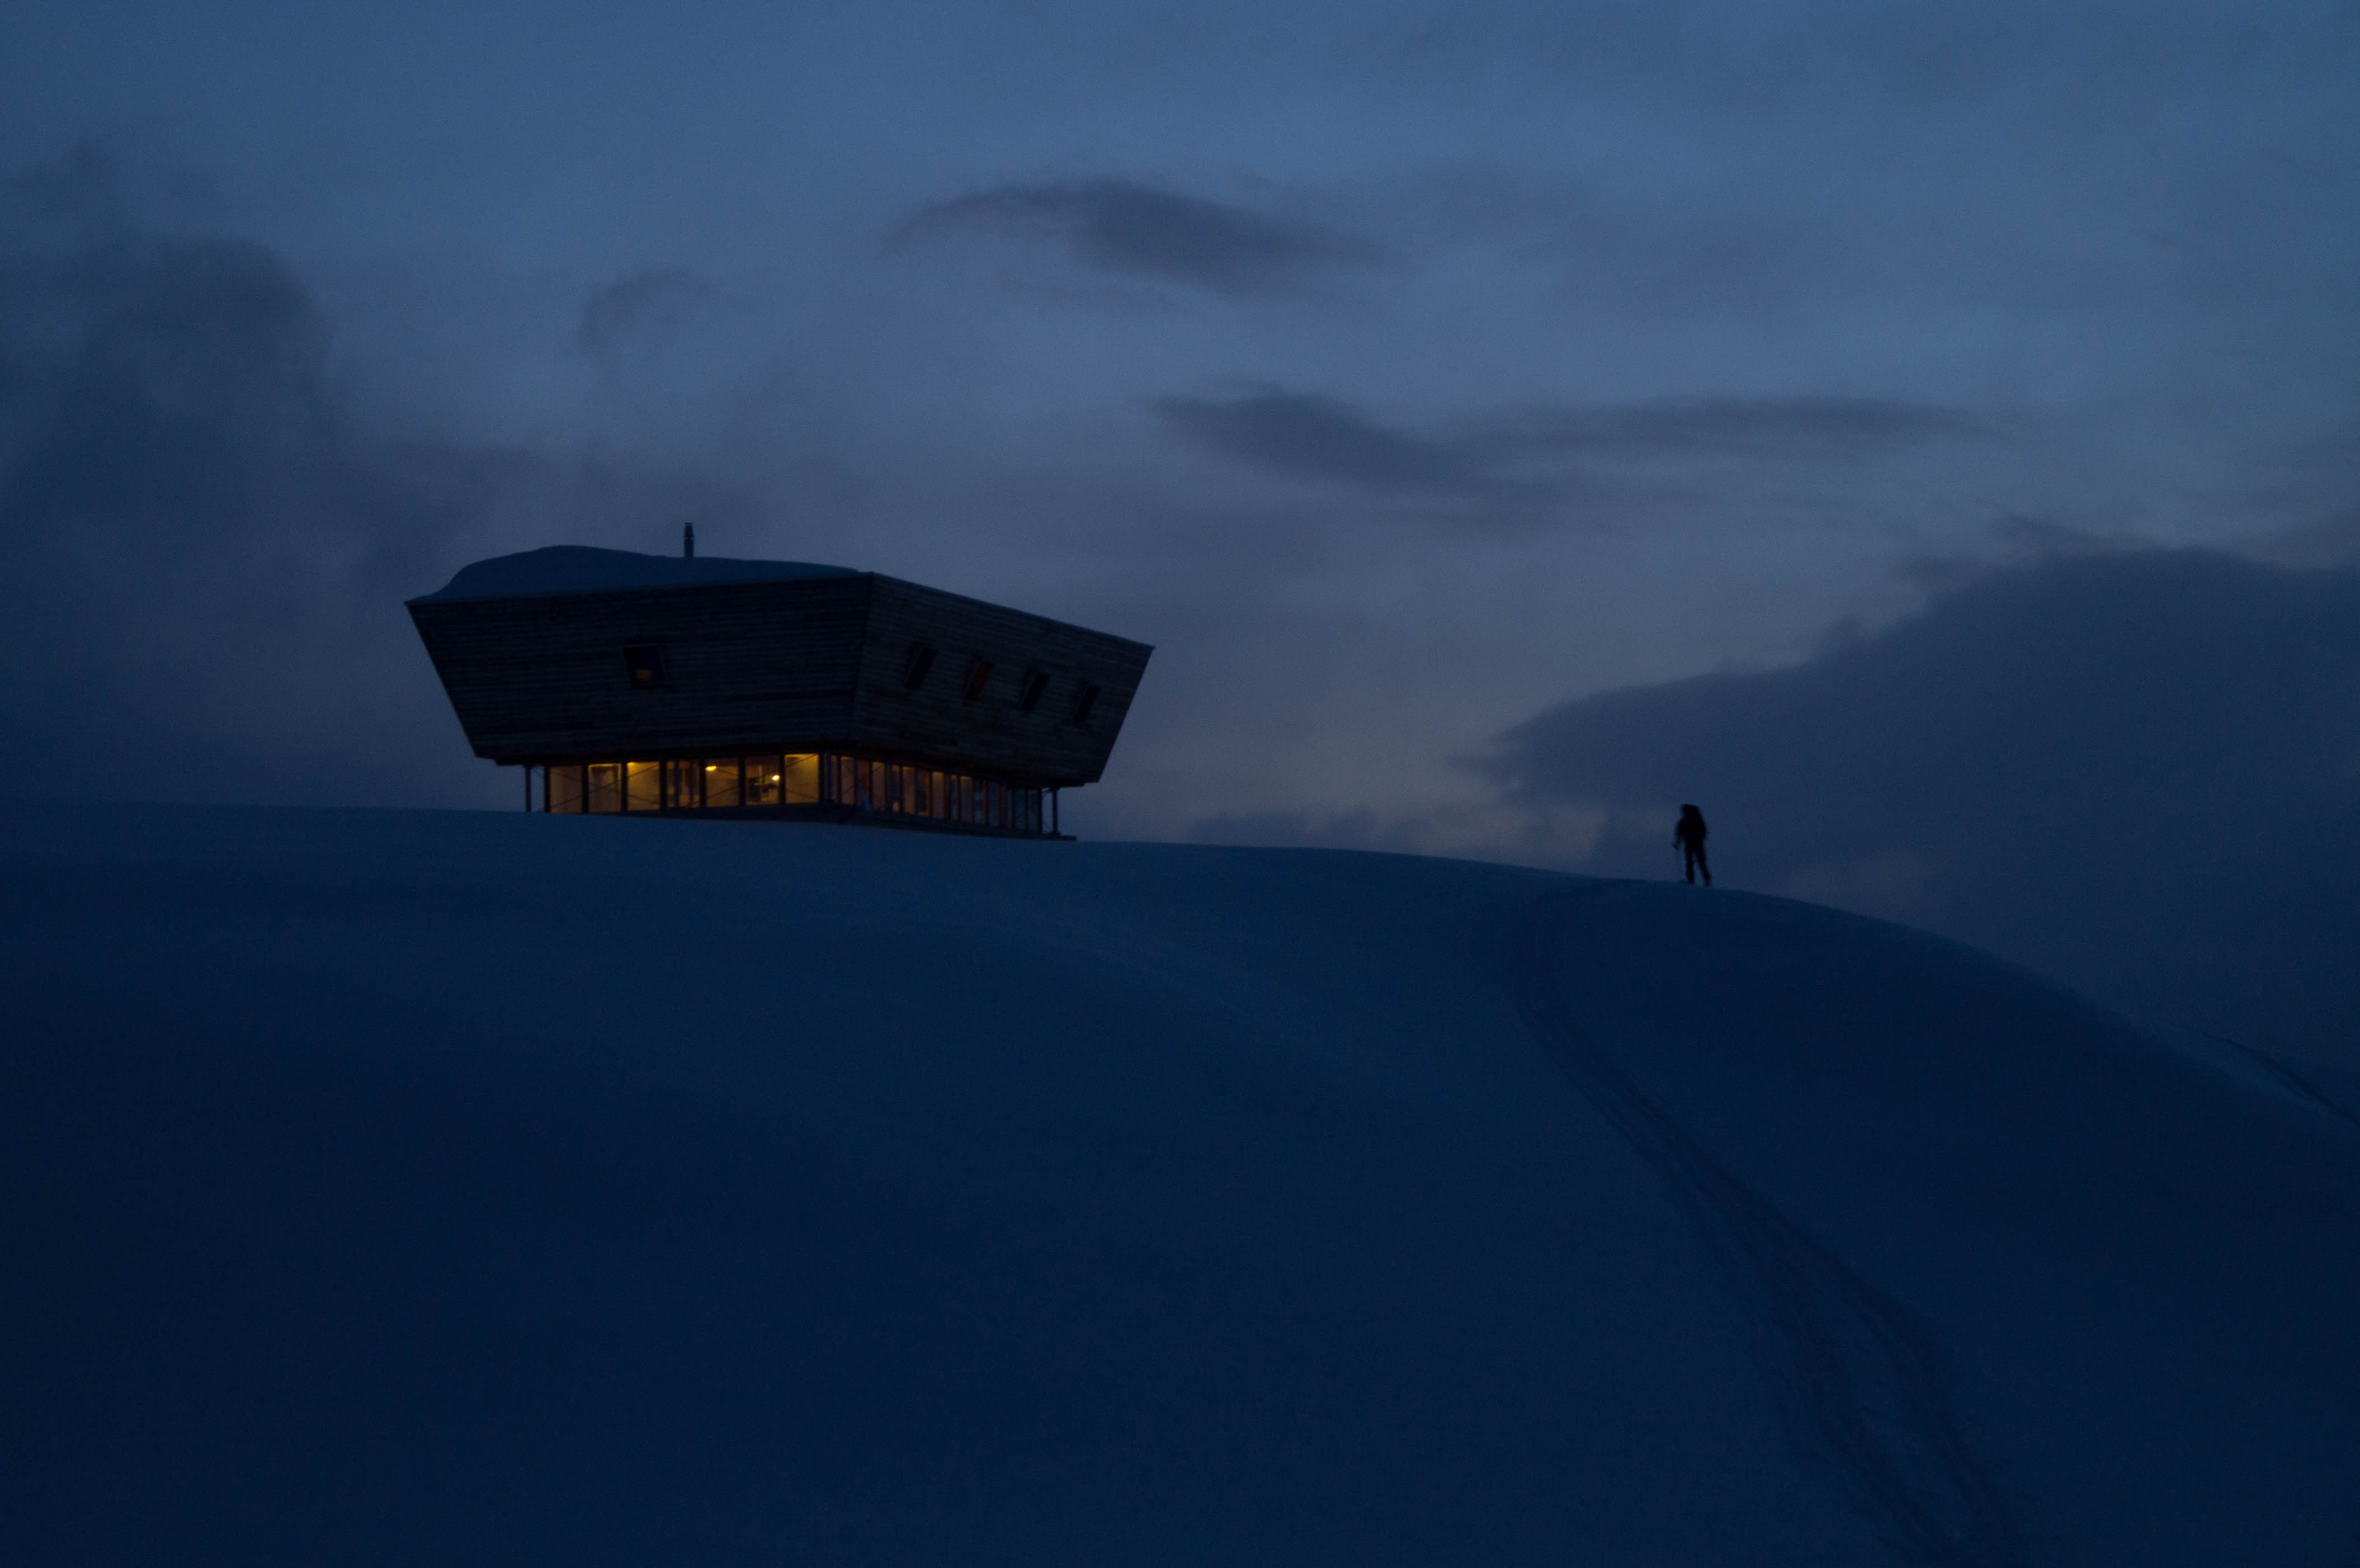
584,569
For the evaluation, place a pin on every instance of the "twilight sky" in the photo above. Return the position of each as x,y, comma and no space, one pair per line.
1409,375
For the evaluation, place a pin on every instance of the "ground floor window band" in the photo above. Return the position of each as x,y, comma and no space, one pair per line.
728,783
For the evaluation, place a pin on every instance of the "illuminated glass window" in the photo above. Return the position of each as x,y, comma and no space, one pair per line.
683,785
606,791
721,786
798,779
643,786
563,790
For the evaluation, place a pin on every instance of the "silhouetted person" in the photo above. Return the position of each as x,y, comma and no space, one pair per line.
1689,835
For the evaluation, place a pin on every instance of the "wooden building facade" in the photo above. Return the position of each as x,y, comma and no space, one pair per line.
637,683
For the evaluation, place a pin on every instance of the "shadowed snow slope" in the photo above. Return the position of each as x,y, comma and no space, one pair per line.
385,1188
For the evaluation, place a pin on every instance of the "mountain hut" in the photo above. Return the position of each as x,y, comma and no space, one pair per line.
687,686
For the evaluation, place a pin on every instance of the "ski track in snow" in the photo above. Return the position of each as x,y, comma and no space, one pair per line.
1852,1368
2302,1089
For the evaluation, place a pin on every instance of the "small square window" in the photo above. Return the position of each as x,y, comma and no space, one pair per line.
646,664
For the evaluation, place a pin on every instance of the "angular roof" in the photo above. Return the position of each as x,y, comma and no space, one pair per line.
572,654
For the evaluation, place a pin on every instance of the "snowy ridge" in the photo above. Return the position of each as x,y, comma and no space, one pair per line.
391,1187
1855,1370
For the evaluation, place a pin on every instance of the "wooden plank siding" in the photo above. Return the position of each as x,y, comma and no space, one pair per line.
801,665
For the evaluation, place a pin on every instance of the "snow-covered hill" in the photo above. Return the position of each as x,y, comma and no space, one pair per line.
386,1188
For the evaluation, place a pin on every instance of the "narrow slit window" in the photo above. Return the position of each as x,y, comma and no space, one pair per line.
1035,684
922,658
1084,704
978,676
645,661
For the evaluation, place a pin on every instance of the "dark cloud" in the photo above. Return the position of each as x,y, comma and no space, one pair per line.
2011,542
1119,226
2334,541
1764,426
654,300
206,550
2137,770
1304,437
1535,455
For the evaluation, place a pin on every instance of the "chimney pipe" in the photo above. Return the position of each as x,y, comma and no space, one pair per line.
687,539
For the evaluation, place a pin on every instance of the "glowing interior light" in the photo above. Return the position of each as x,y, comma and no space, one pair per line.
712,767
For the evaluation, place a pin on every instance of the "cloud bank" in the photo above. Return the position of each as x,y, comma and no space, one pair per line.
207,545
2136,771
